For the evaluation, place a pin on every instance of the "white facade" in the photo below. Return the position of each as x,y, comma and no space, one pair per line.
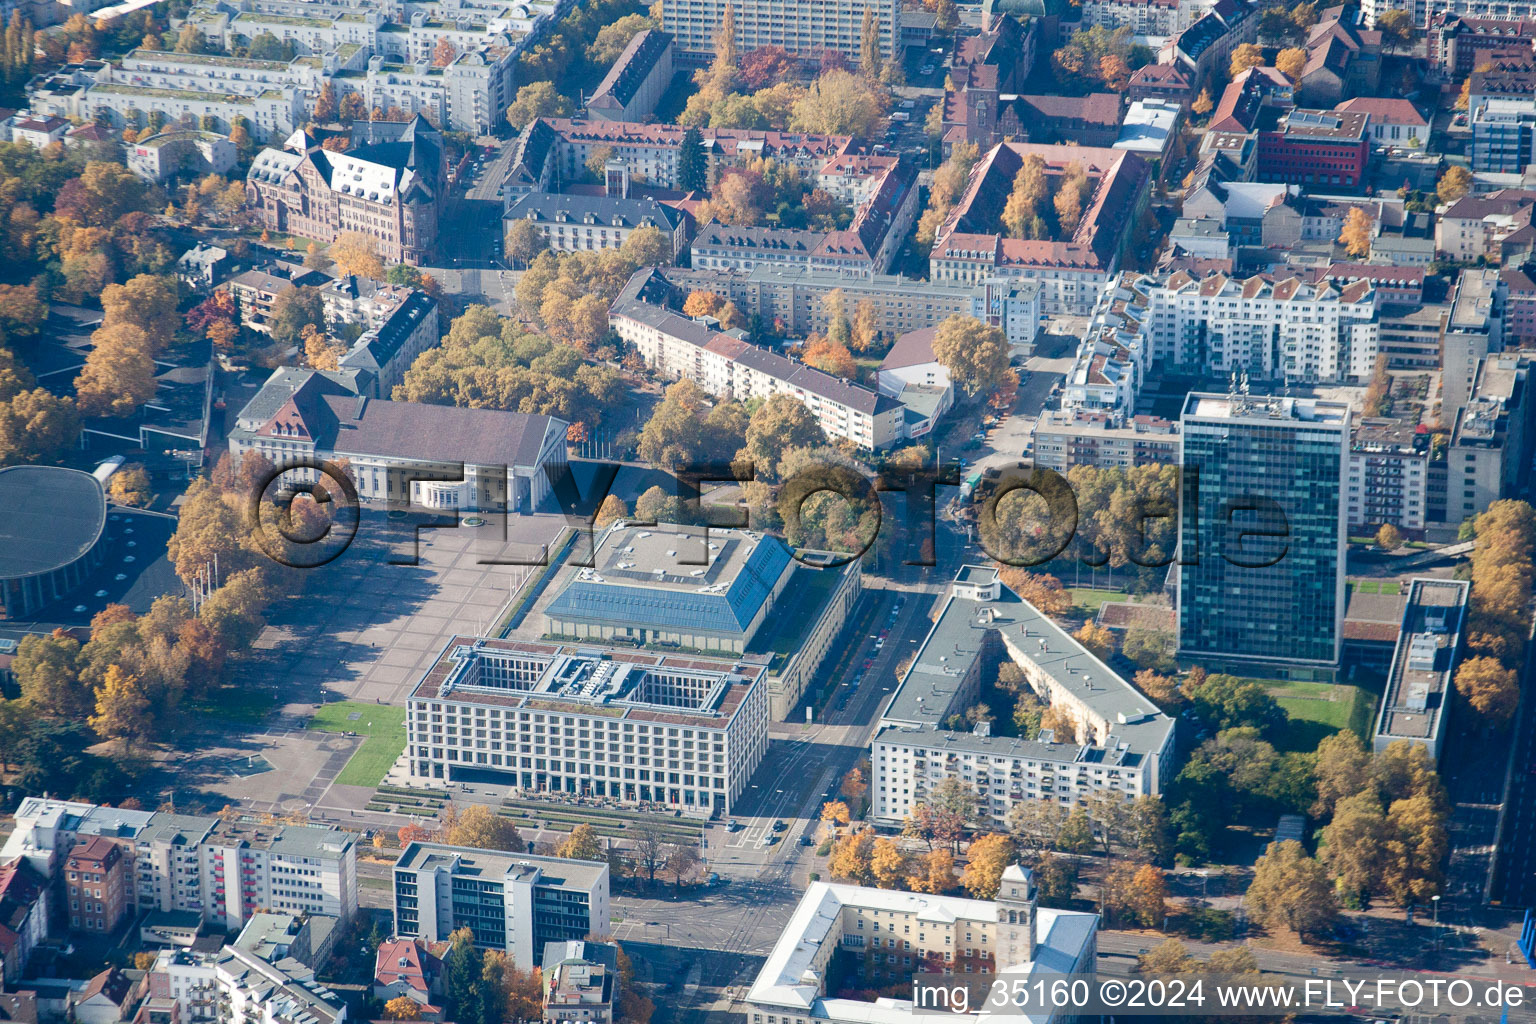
520,900
809,27
726,366
1265,328
1120,742
688,735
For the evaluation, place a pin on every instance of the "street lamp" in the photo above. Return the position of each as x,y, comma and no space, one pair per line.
1435,899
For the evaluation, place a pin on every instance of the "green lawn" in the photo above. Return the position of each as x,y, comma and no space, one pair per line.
1388,587
1090,599
1318,710
234,704
383,725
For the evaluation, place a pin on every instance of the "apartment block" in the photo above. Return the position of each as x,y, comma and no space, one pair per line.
634,726
1120,742
225,871
970,247
1061,439
1492,439
805,27
792,299
190,987
726,366
1270,328
1388,479
513,903
98,885
636,81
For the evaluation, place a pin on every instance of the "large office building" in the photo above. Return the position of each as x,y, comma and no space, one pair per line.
1263,532
707,590
224,871
1120,742
1420,682
513,903
807,28
633,726
846,939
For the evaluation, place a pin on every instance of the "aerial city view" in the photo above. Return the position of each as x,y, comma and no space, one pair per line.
767,511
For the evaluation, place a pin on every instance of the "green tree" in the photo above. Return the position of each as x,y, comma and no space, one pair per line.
119,373
692,167
36,426
536,100
987,858
648,247
292,311
524,242
871,62
1291,890
47,670
778,425
481,828
122,710
974,353
583,844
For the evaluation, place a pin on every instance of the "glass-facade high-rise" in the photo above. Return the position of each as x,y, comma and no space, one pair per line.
1262,531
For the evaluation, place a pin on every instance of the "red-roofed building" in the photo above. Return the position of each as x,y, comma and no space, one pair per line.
98,881
1394,122
1160,82
406,967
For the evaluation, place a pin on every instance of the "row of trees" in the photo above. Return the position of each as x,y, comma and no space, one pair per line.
1499,622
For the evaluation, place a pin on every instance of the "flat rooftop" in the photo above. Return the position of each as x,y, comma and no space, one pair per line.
49,517
496,865
1265,409
925,697
594,680
1413,706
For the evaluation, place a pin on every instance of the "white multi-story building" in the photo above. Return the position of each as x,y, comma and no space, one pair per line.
884,937
794,297
235,984
729,367
633,726
1388,476
225,871
1268,328
1121,742
807,28
513,903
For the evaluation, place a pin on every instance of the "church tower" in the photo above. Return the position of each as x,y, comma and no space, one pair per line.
1016,905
